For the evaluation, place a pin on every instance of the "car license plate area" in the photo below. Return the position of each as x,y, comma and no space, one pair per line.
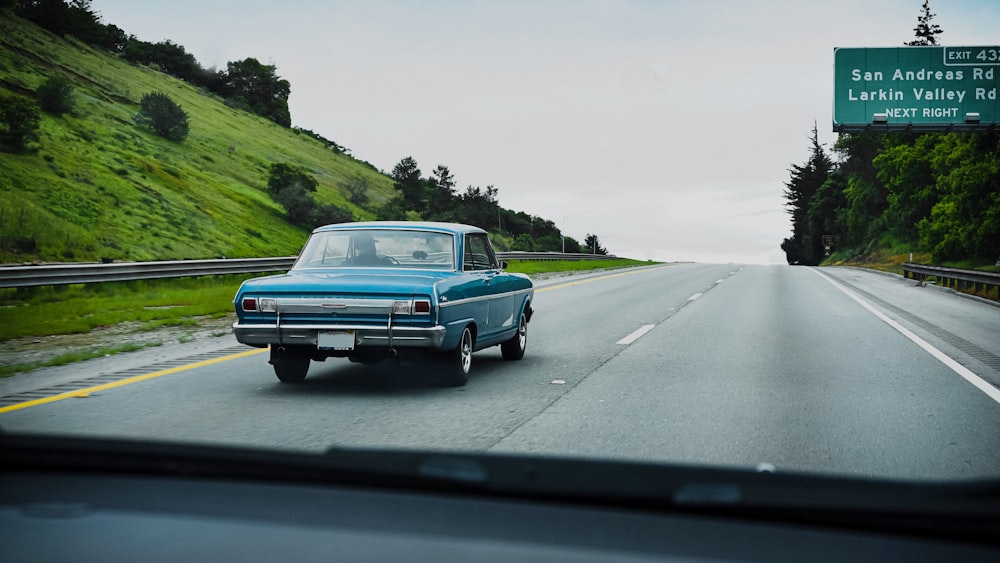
335,340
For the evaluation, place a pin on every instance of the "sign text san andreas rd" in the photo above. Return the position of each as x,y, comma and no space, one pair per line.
916,87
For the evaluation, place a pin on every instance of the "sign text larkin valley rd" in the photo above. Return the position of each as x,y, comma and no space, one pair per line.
917,88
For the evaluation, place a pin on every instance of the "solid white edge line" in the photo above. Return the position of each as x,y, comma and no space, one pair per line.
970,376
636,334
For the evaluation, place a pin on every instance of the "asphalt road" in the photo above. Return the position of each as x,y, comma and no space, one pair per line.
828,370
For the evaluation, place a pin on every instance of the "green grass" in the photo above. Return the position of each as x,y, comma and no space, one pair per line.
544,266
71,357
99,186
80,309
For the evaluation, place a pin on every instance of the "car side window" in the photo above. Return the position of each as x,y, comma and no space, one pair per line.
479,253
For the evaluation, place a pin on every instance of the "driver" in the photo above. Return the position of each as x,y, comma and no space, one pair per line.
365,253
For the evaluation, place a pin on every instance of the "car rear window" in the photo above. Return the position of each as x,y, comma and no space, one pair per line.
378,248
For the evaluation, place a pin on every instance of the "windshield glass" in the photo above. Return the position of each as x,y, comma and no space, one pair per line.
378,248
757,235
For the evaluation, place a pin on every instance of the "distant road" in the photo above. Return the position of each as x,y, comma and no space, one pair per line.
830,370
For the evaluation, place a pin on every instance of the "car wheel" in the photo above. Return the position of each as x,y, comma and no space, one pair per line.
513,349
289,366
458,362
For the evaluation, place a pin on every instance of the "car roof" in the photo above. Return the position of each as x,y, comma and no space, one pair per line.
453,228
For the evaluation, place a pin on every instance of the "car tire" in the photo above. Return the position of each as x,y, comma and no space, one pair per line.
289,366
513,349
458,363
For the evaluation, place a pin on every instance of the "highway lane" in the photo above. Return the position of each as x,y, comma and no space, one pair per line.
737,366
776,367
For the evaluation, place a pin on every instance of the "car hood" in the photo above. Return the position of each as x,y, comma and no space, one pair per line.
373,280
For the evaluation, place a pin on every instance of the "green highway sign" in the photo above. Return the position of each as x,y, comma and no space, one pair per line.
916,88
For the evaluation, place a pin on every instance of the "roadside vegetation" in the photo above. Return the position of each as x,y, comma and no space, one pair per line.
118,149
150,304
93,184
875,197
532,267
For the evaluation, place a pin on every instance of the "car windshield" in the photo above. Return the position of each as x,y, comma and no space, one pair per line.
378,248
753,235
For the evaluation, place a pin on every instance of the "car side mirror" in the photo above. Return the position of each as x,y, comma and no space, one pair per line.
503,264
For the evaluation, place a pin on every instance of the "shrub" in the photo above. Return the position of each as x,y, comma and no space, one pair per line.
166,118
55,96
19,119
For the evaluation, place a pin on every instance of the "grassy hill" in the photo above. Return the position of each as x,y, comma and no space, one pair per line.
100,187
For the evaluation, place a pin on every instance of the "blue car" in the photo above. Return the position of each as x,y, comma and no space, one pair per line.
378,290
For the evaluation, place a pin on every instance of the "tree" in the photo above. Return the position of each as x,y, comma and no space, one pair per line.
592,245
479,207
569,245
258,87
805,246
392,210
55,96
442,197
905,171
965,222
53,15
292,187
443,178
137,51
865,198
166,118
19,118
329,214
174,60
925,31
825,216
85,23
115,39
76,18
406,175
357,187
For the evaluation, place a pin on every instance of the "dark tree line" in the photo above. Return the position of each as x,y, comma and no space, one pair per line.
933,192
436,198
805,246
246,84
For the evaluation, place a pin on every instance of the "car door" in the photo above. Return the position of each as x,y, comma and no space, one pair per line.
481,261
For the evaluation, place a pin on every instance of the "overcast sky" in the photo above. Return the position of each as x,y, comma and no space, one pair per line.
665,127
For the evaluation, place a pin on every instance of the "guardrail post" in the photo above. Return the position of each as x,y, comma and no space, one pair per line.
978,282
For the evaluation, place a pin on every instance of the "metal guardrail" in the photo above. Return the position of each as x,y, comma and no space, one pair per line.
956,278
553,256
65,274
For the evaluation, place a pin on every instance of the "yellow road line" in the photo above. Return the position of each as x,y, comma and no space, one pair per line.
127,381
599,278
